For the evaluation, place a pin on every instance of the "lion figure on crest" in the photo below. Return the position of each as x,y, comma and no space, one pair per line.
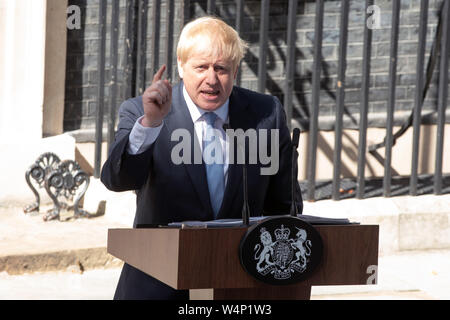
267,251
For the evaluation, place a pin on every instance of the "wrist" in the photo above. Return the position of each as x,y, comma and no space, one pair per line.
150,123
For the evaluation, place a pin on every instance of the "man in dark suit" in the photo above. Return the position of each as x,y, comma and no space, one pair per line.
204,104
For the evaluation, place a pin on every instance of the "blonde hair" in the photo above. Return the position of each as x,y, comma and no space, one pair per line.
213,36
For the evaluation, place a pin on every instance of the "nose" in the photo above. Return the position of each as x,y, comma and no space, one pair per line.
211,76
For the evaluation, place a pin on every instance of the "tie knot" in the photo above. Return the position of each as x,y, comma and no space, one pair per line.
210,118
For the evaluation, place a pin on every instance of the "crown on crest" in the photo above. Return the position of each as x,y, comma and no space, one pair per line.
282,233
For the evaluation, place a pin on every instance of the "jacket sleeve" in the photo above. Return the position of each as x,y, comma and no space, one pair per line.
279,194
123,171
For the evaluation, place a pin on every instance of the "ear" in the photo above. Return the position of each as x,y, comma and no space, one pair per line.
180,68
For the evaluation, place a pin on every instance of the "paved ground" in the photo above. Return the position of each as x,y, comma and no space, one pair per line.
68,260
405,275
28,244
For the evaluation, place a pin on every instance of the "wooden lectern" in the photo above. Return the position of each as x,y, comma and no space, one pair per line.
206,260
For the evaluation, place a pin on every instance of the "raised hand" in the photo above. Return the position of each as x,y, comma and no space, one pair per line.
156,100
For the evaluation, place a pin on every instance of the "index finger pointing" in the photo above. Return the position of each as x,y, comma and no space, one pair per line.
159,73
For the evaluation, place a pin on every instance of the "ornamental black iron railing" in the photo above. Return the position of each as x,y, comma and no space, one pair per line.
137,70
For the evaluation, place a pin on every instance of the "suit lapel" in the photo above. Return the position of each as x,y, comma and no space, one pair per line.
240,118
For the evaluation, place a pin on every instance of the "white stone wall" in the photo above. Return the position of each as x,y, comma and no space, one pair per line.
22,43
22,73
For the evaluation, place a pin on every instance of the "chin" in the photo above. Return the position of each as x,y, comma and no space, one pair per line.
209,106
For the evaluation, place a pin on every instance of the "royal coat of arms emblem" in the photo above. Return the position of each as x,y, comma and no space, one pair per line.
281,250
285,255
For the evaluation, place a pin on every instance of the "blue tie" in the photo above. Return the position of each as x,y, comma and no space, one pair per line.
213,163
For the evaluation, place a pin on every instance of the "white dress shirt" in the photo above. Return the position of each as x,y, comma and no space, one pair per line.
141,138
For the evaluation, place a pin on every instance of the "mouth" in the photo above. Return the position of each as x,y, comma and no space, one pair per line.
210,93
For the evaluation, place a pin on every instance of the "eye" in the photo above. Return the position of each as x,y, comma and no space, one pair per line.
220,68
202,67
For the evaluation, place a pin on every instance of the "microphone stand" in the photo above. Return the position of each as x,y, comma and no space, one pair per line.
245,207
295,140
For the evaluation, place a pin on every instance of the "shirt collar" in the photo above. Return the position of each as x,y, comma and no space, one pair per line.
196,112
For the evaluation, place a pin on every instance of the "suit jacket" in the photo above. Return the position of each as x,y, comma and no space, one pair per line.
167,192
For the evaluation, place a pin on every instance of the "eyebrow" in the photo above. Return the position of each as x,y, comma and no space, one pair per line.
217,63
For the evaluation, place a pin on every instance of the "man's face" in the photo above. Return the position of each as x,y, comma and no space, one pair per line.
208,80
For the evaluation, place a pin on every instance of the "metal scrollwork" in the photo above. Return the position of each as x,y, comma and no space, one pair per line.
70,182
38,172
63,180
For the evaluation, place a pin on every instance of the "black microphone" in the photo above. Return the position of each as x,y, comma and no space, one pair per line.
295,140
295,137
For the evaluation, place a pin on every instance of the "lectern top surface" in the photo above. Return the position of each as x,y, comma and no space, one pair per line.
222,223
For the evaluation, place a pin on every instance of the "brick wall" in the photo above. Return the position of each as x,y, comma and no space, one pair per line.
83,44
